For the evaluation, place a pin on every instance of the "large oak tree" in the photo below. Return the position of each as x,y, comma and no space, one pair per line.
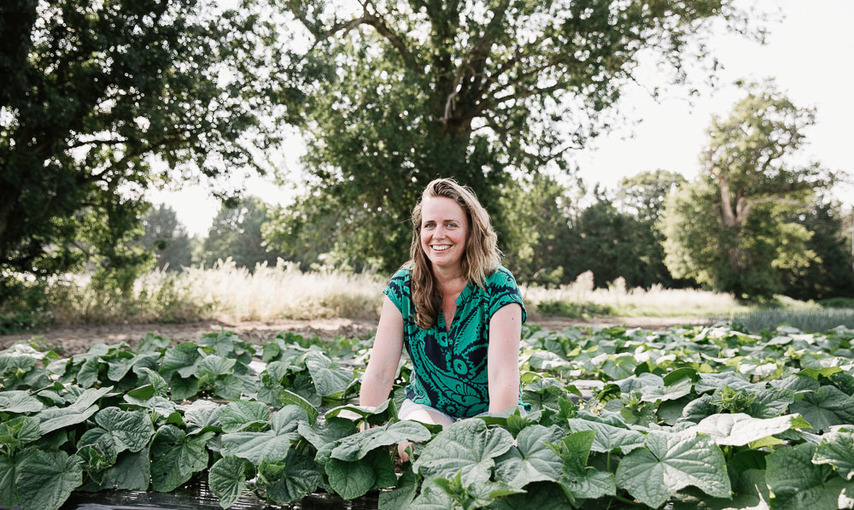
401,92
733,228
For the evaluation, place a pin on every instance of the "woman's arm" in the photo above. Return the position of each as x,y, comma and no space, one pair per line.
505,333
385,356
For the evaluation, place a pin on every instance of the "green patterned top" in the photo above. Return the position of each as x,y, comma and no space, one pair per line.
449,367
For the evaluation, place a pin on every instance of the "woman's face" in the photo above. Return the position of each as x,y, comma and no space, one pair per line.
444,229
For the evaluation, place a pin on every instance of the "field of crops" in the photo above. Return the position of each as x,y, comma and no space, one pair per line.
688,418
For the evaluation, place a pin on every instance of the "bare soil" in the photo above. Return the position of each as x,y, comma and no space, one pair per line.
68,340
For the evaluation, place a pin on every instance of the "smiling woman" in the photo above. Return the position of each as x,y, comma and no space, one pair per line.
457,312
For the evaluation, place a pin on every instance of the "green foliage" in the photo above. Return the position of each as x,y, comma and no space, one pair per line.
643,196
732,228
236,234
838,302
100,102
805,320
167,238
403,93
726,415
608,243
832,275
573,309
536,246
553,240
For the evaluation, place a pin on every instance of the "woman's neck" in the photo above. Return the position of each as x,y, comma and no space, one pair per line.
451,283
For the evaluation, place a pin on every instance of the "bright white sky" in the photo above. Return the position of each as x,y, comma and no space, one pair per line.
806,54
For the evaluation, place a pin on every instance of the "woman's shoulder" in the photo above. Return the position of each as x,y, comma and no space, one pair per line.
500,276
402,274
401,278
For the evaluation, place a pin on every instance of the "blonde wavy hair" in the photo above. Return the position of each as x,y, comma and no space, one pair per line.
481,256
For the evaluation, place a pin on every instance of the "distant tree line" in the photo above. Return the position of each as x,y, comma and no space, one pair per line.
627,232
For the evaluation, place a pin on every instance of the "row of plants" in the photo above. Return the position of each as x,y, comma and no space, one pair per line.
699,417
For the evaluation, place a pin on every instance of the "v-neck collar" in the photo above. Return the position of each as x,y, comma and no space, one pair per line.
441,325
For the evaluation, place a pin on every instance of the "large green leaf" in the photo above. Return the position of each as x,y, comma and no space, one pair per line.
119,367
203,415
270,445
326,433
45,479
183,388
157,405
669,462
837,449
8,494
432,497
619,366
19,431
182,358
258,446
289,398
579,480
589,484
292,480
800,384
355,447
771,402
213,365
157,382
740,429
796,482
19,402
711,382
467,446
671,389
353,479
227,480
751,494
88,374
119,431
55,418
825,407
288,419
132,472
608,437
329,378
228,387
175,456
350,479
532,460
362,411
244,414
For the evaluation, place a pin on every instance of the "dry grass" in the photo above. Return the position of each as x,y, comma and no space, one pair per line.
227,292
224,292
285,292
617,300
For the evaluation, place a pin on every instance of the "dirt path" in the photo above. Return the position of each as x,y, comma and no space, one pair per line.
75,339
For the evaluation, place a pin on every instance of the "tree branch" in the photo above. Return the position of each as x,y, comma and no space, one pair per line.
379,25
471,67
748,205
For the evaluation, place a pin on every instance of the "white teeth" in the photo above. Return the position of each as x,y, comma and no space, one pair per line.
441,248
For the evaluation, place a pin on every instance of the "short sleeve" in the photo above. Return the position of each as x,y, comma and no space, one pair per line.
502,290
398,291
